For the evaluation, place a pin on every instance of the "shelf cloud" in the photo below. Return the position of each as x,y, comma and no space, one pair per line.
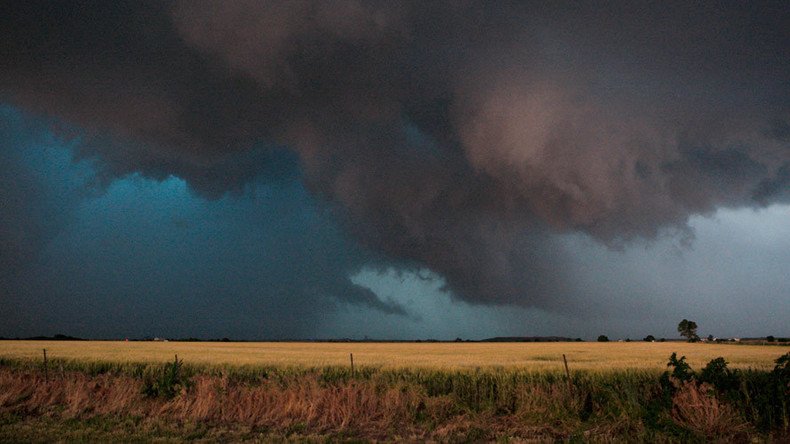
460,137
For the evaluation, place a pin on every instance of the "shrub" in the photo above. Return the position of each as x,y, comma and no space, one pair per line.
603,338
719,376
763,398
681,371
168,383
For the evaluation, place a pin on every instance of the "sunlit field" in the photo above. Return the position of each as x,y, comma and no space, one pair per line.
531,356
444,392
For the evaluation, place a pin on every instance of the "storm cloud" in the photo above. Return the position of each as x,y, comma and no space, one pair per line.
460,137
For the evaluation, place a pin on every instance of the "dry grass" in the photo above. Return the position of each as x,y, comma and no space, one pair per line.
356,406
409,405
303,405
696,407
533,356
74,396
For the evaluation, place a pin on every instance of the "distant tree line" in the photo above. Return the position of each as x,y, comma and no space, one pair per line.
688,330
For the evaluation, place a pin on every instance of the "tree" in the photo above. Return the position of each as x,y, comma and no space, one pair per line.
603,338
649,338
688,329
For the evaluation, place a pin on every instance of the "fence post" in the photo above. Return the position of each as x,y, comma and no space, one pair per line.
567,372
46,370
351,355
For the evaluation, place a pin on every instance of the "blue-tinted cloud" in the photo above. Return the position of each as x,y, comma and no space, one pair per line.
146,257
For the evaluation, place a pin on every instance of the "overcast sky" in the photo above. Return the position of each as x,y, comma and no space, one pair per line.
287,170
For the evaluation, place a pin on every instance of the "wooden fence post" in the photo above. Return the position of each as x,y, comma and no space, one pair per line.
46,370
351,355
567,372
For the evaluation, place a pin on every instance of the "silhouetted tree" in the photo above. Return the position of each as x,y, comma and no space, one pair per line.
649,338
688,329
603,338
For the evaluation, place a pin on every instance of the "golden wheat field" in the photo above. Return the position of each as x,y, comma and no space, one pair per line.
532,356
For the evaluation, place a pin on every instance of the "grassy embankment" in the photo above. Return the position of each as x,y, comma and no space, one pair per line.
214,399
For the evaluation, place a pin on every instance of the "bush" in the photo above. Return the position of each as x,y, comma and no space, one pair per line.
603,338
719,376
763,398
681,371
168,383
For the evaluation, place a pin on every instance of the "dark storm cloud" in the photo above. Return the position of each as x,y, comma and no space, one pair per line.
456,136
268,265
145,258
39,193
36,196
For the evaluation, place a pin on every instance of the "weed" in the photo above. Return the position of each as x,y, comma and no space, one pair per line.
169,382
696,407
681,370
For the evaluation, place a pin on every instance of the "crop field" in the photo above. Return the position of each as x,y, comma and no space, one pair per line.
527,356
441,392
